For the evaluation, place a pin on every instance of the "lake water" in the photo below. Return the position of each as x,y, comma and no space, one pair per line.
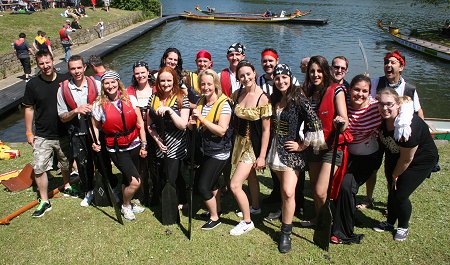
349,22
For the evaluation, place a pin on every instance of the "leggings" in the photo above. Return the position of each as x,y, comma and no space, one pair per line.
399,205
128,163
208,180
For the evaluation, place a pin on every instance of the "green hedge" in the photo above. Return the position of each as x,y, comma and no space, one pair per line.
147,6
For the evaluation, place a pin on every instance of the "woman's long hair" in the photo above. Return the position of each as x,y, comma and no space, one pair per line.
103,99
328,78
293,94
179,67
176,90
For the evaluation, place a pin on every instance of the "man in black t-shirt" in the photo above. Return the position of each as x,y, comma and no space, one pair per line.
40,103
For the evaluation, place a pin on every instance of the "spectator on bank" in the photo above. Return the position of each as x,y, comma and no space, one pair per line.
101,28
23,50
75,24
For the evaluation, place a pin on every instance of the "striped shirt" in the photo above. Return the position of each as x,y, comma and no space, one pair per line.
226,110
315,104
365,122
175,140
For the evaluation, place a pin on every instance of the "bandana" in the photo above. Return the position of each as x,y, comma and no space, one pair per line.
282,69
269,53
140,64
110,75
236,47
204,54
397,55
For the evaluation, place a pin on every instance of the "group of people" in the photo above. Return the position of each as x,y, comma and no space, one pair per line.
233,118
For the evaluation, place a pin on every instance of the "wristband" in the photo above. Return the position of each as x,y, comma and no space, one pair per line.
29,134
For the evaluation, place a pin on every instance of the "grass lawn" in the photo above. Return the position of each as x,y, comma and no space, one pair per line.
49,21
70,234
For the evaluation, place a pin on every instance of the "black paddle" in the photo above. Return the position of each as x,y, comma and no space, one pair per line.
169,200
104,173
192,167
322,232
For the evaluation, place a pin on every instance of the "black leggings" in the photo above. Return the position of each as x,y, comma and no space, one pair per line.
399,205
208,180
128,163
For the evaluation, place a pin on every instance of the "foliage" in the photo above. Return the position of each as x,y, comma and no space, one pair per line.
148,6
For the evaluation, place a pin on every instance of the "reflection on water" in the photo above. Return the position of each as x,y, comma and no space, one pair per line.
349,21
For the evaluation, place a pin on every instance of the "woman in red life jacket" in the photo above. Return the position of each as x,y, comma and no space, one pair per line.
328,100
118,115
212,118
289,153
252,127
167,120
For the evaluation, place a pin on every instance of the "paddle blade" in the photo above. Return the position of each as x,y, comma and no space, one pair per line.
169,205
322,233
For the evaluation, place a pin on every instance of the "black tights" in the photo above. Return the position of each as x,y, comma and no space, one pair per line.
208,180
399,205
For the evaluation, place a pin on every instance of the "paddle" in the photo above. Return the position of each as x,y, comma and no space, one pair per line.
192,167
98,161
322,232
169,200
363,51
51,194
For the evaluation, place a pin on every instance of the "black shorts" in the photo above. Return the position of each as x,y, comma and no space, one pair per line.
128,163
325,156
26,65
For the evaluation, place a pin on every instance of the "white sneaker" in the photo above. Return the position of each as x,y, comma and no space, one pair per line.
241,228
252,211
273,216
87,199
136,208
127,212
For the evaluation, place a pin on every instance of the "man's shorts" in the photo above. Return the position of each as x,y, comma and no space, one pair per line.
43,152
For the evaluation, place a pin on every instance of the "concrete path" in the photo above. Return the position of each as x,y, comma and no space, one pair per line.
12,88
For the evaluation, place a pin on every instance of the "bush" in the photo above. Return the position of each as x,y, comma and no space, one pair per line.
147,6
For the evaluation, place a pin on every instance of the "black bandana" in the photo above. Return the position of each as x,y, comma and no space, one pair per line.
140,64
237,47
282,69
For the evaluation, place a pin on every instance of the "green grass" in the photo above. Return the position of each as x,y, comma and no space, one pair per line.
71,234
49,21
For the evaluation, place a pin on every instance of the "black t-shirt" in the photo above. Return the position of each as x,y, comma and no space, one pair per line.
426,154
41,95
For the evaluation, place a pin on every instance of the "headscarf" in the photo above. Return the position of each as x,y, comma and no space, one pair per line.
110,75
396,54
237,47
282,69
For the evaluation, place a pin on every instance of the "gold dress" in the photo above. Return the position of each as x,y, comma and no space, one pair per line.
243,150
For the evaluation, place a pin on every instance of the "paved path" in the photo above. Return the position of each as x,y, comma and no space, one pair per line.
12,88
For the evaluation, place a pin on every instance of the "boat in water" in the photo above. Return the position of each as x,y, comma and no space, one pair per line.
439,128
437,50
211,15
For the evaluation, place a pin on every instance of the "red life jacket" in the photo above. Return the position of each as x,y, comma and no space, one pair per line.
225,82
63,35
120,128
326,114
68,97
131,91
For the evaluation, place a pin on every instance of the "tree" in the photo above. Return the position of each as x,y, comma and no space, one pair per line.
152,6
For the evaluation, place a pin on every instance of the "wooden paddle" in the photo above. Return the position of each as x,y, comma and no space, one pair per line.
322,232
7,219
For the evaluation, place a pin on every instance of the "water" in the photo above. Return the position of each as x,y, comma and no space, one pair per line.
349,21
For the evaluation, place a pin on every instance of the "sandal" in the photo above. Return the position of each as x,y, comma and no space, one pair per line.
367,203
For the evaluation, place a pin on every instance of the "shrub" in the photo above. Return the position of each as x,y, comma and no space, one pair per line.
147,6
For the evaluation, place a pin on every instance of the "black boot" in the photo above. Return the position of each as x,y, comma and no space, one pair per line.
284,245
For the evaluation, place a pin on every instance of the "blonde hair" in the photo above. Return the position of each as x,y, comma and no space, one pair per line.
123,96
391,92
216,80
